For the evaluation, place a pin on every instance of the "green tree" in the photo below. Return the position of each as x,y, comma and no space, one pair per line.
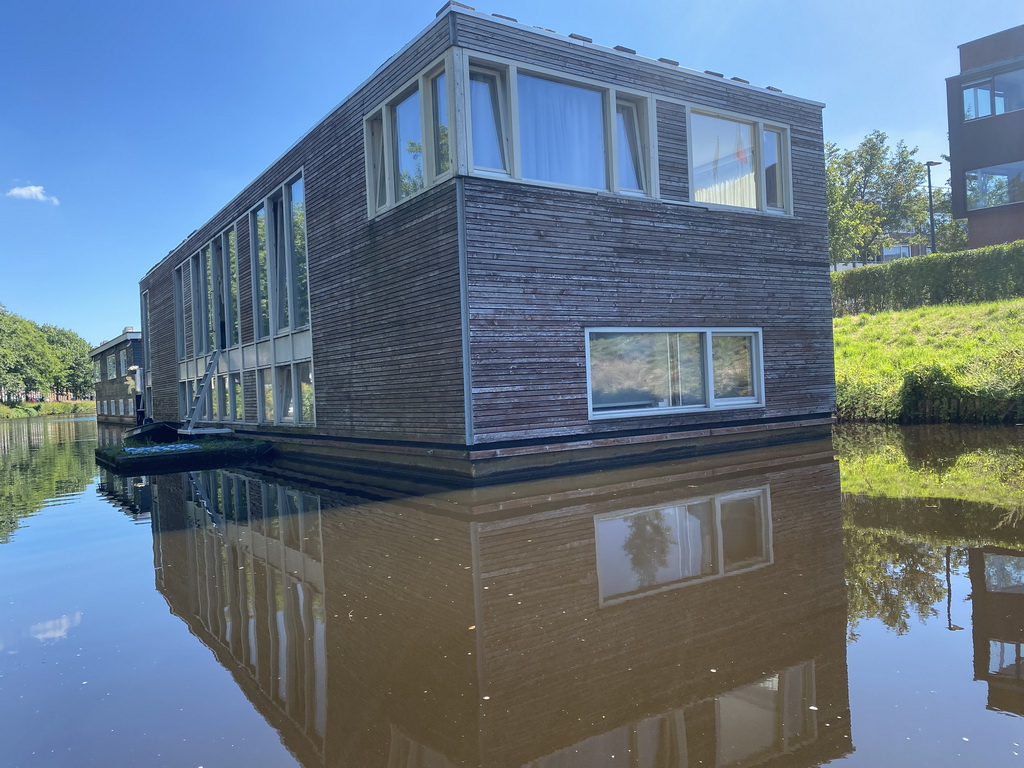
74,367
873,191
27,363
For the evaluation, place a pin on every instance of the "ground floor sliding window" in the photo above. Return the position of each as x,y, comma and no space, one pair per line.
644,371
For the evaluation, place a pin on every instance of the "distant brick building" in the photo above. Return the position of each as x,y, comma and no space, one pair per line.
114,364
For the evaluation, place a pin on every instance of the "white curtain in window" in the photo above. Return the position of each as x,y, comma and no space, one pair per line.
561,133
723,162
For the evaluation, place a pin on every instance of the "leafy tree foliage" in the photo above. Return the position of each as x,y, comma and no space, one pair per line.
41,360
873,191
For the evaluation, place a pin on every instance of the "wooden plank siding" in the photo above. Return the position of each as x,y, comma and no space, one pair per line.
520,270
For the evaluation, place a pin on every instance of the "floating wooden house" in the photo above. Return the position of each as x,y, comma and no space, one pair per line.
114,366
511,248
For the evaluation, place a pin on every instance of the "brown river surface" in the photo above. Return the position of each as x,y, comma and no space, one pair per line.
779,607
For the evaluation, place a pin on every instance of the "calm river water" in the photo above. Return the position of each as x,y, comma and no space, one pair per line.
771,608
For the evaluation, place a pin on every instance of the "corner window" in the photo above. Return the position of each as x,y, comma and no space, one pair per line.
488,120
994,186
640,372
994,95
408,142
738,163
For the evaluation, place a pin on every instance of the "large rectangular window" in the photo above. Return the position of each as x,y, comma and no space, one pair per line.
555,131
260,281
996,185
640,372
994,95
736,162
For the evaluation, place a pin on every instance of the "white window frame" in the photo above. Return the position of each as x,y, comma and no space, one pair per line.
711,403
111,366
643,103
758,126
379,138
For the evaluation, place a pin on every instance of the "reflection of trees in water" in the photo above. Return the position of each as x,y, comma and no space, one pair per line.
647,545
891,579
40,460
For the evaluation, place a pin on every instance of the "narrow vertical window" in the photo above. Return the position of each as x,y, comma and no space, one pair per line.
235,396
298,264
231,298
487,110
261,299
442,148
146,364
733,364
774,196
286,392
304,381
630,156
408,146
378,169
266,389
279,264
209,319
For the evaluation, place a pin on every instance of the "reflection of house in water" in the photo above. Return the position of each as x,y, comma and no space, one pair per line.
997,584
132,494
683,614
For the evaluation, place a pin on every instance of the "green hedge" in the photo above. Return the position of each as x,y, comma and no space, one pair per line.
61,408
984,274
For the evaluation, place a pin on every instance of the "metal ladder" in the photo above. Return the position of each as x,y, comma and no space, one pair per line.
200,397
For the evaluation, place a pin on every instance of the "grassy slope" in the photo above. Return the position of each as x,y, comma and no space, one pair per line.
977,350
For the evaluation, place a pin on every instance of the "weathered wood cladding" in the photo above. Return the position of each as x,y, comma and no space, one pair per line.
536,265
539,273
384,294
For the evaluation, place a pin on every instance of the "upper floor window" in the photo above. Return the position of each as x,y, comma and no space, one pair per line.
408,141
111,366
279,261
996,185
556,131
994,95
740,163
123,355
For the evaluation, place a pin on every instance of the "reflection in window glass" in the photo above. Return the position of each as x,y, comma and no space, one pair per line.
259,268
279,288
997,185
377,160
561,133
630,167
978,100
646,370
733,365
773,189
722,158
266,386
304,379
286,393
231,315
1004,573
442,152
486,107
297,227
1009,91
408,146
235,385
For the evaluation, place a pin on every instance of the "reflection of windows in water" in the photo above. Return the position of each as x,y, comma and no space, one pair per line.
257,587
1005,659
647,550
1004,573
767,718
751,724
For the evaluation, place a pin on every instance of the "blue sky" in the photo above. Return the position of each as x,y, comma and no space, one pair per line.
126,125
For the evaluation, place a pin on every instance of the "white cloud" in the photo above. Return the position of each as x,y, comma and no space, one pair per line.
33,193
56,629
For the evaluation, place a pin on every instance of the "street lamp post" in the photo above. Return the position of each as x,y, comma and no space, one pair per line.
931,205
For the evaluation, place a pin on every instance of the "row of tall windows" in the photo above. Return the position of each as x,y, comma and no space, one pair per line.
541,127
213,298
277,230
